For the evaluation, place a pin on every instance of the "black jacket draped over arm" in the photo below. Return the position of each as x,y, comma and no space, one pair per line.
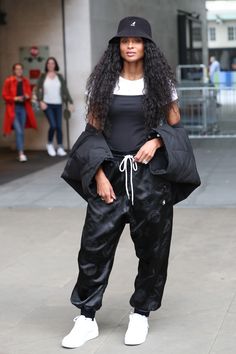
174,161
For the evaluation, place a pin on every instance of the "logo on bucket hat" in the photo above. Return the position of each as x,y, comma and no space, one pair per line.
133,26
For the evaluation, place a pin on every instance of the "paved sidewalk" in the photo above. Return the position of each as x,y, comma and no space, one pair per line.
11,169
41,223
38,269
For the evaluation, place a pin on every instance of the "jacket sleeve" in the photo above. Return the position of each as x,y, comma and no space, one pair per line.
66,94
6,92
39,88
87,154
176,161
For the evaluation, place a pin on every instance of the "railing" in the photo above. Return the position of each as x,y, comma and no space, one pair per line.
208,111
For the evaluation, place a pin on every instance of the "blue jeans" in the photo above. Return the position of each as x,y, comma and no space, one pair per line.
54,116
19,126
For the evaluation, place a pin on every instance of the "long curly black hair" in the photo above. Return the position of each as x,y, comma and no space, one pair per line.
158,85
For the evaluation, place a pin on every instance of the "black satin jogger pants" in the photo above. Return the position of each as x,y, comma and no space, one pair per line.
150,220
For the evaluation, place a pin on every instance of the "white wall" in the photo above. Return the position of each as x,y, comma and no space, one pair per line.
221,35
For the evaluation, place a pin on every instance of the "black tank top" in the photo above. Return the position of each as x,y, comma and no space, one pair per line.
127,133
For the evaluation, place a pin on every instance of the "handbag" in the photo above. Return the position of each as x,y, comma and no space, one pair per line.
66,113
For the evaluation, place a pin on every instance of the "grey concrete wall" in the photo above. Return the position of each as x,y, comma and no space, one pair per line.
162,14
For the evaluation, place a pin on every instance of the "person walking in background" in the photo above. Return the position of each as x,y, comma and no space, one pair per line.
214,67
52,92
19,113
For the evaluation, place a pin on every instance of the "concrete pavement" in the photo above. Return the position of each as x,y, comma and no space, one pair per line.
41,222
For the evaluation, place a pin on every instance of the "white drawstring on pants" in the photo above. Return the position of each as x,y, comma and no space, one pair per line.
123,167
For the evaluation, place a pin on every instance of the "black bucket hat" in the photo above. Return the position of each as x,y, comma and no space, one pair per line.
133,27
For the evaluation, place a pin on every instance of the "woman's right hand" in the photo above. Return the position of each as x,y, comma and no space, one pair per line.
71,108
104,187
43,105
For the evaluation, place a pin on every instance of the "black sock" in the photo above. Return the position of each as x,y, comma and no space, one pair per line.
89,313
141,312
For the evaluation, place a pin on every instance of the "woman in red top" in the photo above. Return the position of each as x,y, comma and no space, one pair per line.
19,113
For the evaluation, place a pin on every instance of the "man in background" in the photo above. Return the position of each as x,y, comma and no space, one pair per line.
214,67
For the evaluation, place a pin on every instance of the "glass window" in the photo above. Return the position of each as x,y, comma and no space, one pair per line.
231,33
197,34
212,33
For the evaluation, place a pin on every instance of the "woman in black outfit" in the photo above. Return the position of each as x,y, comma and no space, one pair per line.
130,93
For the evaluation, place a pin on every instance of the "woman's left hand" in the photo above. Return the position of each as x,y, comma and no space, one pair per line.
147,151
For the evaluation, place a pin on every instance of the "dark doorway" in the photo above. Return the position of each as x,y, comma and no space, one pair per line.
189,38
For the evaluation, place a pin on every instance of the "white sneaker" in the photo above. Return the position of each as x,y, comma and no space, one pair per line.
137,329
22,158
84,329
61,151
50,149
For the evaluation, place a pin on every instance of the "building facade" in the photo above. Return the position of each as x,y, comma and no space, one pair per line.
221,21
76,33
